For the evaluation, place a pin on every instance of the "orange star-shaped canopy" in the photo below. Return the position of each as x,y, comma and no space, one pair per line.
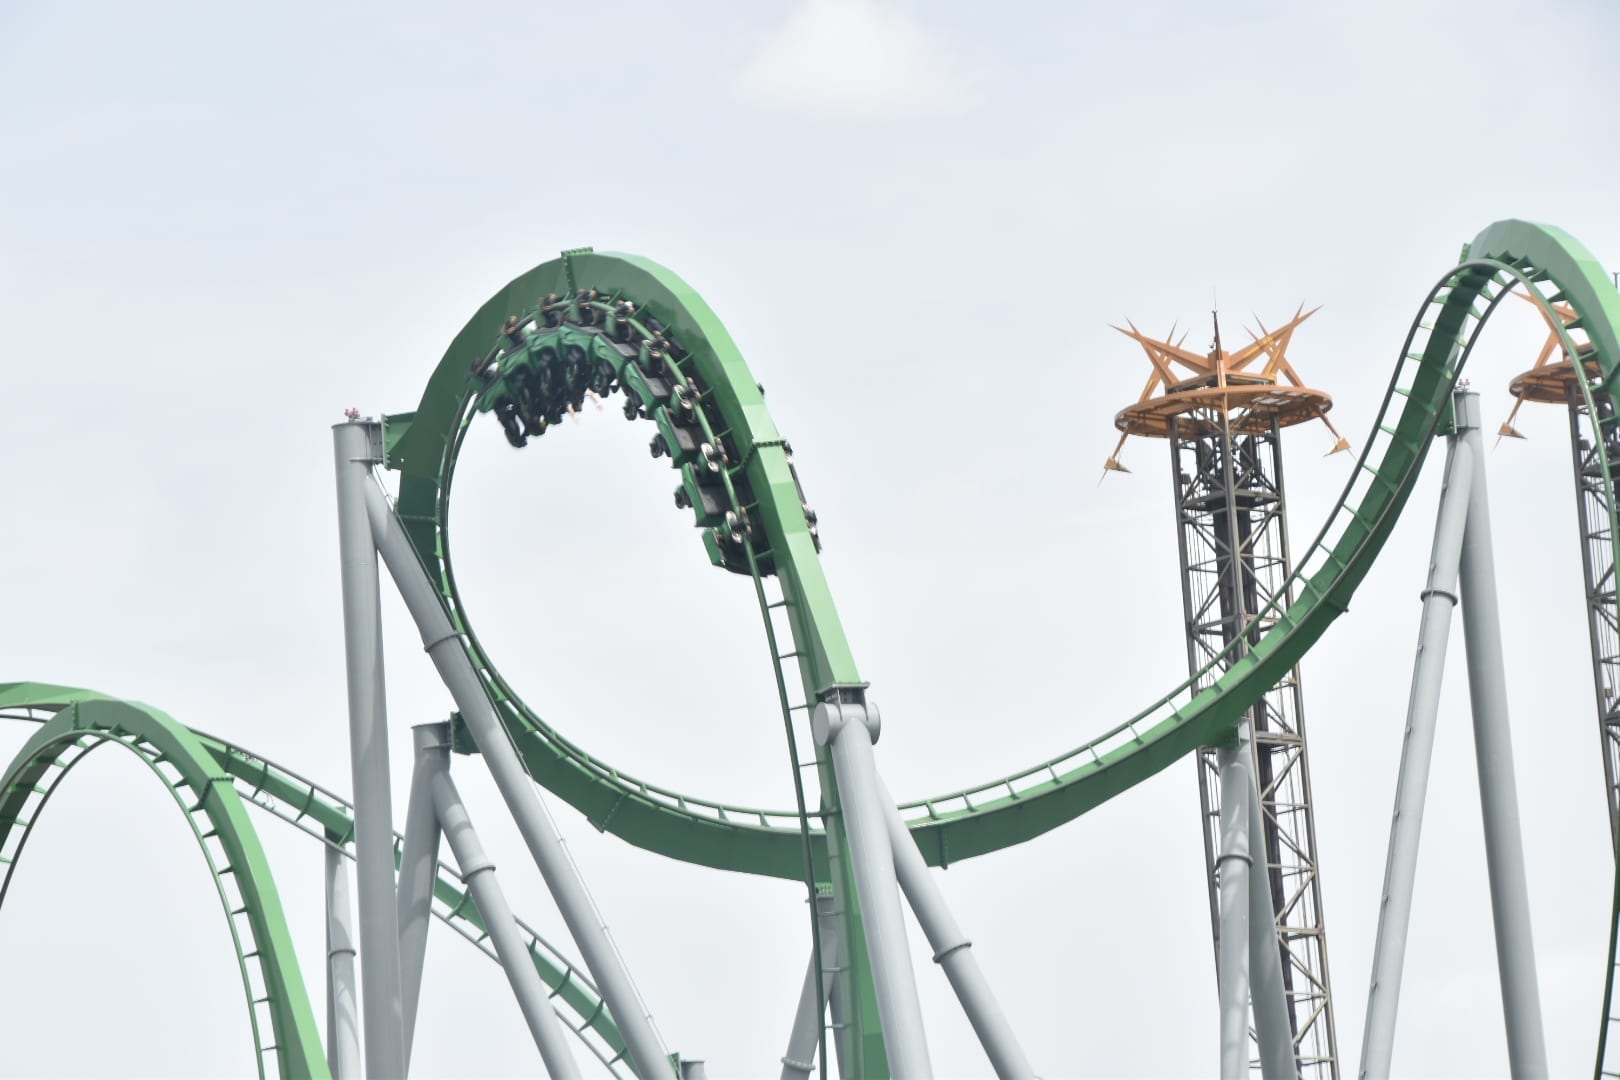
1549,379
1251,387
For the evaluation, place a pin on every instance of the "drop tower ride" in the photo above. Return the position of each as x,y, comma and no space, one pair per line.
1223,414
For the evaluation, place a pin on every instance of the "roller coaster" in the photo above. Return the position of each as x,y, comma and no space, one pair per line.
593,324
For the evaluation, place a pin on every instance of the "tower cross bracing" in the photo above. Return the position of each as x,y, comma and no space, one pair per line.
1224,424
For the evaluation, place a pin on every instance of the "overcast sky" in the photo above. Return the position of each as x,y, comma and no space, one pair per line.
222,224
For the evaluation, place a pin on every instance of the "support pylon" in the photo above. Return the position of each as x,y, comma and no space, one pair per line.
1223,415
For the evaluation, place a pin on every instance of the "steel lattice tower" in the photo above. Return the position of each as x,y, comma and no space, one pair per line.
1555,381
1224,425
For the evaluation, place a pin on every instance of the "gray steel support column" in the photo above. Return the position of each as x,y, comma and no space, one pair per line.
800,1059
1417,751
545,844
952,949
844,728
479,874
1233,866
357,448
1273,1032
1493,750
342,1008
419,868
834,964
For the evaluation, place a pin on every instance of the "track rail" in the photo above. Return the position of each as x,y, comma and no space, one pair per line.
629,301
329,818
286,1040
424,445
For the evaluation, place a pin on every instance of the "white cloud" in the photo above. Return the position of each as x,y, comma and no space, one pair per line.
854,56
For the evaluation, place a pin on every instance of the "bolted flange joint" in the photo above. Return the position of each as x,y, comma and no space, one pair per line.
829,717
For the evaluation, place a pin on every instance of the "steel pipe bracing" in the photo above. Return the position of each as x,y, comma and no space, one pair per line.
418,869
800,1059
342,1007
529,813
479,874
1233,865
358,447
1417,751
837,967
952,949
1273,1031
843,727
1493,751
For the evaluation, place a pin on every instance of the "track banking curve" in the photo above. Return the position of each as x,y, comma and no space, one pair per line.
75,721
286,1040
775,537
423,447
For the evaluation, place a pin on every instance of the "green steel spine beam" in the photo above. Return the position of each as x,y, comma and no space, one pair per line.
294,1048
423,447
326,817
1014,808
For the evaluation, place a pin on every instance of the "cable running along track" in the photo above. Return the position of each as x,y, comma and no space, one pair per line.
623,322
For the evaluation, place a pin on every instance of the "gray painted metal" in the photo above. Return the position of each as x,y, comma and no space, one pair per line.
800,1059
953,951
1493,750
843,1000
1232,866
342,1006
832,962
1417,751
872,861
1232,539
418,869
1273,1033
479,875
358,447
528,811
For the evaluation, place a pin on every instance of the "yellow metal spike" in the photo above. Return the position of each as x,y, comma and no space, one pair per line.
1272,344
1563,311
1163,353
1219,384
1507,430
1113,464
1341,445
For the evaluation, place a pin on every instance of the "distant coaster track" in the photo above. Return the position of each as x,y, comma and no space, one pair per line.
75,721
599,323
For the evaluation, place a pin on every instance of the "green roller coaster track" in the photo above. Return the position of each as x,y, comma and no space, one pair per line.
84,719
744,492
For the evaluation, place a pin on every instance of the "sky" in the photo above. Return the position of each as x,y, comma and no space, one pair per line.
221,225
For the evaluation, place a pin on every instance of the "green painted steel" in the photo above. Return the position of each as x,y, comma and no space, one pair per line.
328,817
757,504
1018,807
258,926
1011,809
